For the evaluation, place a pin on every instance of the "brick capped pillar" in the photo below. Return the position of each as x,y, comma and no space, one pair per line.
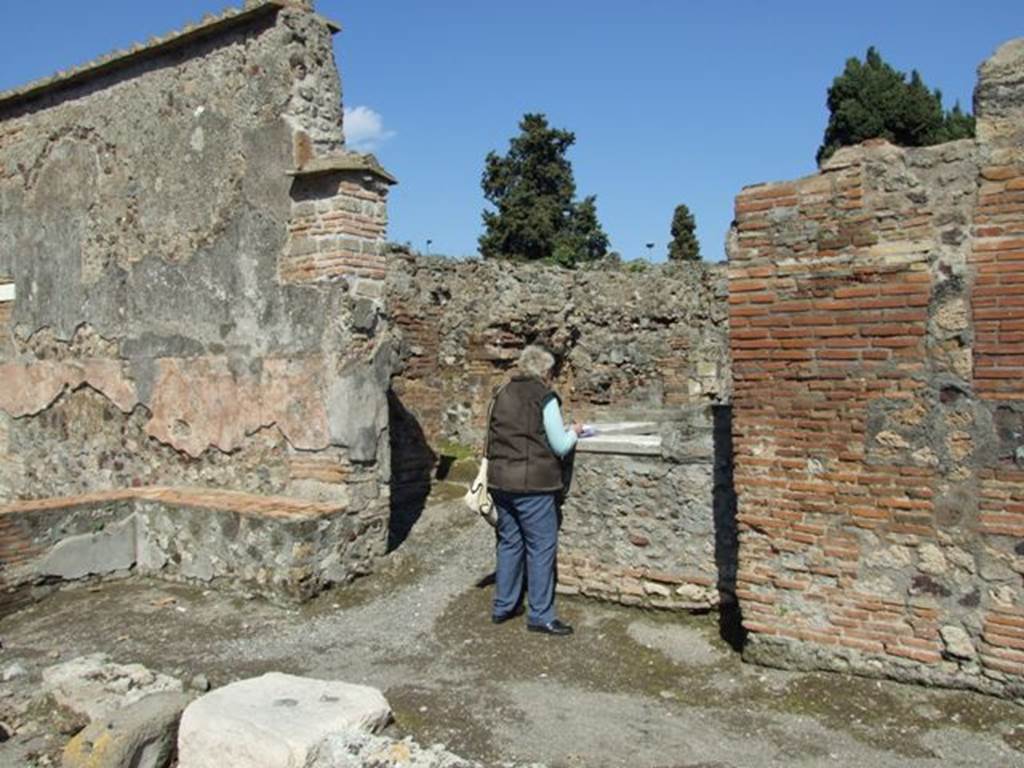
338,224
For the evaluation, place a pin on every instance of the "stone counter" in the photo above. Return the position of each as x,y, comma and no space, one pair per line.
649,518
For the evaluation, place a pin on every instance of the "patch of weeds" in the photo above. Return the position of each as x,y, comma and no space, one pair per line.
883,713
456,450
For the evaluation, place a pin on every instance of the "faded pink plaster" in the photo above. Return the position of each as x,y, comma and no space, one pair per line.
28,388
199,402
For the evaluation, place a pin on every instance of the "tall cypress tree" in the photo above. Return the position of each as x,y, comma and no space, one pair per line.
533,190
684,245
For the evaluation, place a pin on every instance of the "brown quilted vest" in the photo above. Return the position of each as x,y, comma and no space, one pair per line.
520,459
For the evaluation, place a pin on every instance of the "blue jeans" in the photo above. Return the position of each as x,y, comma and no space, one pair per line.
527,535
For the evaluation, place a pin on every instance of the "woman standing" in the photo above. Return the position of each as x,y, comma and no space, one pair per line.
527,440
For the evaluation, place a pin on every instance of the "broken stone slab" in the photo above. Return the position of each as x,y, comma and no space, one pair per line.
626,427
107,551
632,445
140,735
93,686
357,412
353,748
273,720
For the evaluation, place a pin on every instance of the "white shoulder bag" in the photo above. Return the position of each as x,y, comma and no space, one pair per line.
478,497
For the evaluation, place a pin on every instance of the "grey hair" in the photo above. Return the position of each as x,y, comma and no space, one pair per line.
536,361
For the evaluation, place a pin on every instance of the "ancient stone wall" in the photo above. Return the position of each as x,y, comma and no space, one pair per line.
155,327
629,339
650,345
279,547
875,311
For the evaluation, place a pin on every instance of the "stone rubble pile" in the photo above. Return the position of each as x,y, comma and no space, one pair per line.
115,715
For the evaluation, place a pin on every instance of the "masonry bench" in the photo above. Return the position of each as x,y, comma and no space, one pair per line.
649,520
281,547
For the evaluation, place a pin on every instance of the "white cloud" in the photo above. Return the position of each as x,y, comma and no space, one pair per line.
364,129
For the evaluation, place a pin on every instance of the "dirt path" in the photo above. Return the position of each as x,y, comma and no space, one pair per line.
629,689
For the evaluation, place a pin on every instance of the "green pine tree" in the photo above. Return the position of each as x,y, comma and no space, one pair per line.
684,245
871,99
532,190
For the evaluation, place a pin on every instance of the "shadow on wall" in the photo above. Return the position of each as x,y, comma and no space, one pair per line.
412,464
730,624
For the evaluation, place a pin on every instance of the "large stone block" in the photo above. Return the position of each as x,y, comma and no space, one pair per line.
273,721
141,735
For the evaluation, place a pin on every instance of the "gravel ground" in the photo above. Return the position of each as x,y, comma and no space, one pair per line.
631,688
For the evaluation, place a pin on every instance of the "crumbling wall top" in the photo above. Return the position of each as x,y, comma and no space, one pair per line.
999,95
210,25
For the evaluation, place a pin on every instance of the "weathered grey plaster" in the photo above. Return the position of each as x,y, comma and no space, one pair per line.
105,551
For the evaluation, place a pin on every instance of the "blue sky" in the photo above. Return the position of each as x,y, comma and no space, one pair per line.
671,101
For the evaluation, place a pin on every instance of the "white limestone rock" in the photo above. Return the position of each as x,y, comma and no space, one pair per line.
931,561
93,686
358,749
274,721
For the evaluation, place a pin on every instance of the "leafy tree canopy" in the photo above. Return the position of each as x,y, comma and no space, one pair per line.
684,245
871,99
533,191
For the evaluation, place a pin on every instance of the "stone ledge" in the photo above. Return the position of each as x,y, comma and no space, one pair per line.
249,504
630,438
211,25
341,163
629,445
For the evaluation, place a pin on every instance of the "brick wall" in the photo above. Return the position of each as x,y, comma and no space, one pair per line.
875,332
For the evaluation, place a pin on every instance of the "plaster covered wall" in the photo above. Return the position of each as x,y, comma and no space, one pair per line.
148,206
875,311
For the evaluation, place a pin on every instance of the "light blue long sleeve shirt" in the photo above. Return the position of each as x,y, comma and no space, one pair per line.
559,438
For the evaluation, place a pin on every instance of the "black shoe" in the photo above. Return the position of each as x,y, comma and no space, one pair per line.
501,618
555,627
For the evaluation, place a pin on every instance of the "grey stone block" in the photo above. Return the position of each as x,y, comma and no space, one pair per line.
109,550
141,735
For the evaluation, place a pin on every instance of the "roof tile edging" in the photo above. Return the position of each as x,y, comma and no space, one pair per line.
113,60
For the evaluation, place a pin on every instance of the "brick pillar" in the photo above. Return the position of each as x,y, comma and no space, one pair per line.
338,224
